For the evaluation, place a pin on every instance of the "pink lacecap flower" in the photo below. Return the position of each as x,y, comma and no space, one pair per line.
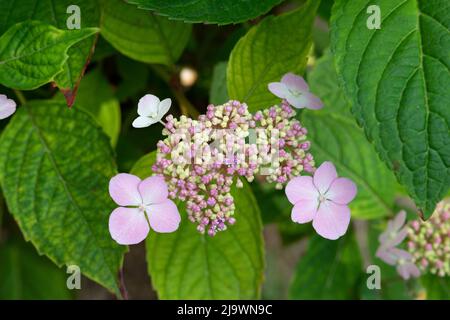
142,202
395,232
7,107
295,90
323,200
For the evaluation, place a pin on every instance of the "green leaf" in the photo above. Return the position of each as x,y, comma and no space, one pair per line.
33,53
96,97
397,78
335,137
54,174
55,13
208,11
328,270
141,35
188,265
218,93
437,288
26,275
268,51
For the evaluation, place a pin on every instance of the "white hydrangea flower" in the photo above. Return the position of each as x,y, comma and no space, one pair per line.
151,110
7,106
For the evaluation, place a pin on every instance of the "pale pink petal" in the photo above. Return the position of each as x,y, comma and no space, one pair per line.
324,176
312,102
279,89
164,216
301,188
401,254
142,122
153,190
297,101
123,189
331,220
295,82
7,107
387,256
342,191
128,225
407,270
148,105
399,237
399,220
304,210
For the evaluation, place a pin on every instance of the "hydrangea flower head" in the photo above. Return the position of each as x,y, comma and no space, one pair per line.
295,90
202,159
143,204
151,110
7,107
322,199
429,241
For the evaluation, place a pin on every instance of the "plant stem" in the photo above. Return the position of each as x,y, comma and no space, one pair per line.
20,96
122,288
171,79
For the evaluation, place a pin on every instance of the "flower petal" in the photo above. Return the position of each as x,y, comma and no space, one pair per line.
407,270
304,210
128,225
331,220
279,89
324,176
312,101
153,190
342,191
123,189
399,220
148,105
7,107
164,216
387,256
142,122
294,82
301,188
164,107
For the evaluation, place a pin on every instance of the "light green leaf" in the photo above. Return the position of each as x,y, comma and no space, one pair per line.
141,35
335,137
208,11
328,270
96,97
397,79
218,93
55,13
33,53
274,47
188,265
26,275
54,174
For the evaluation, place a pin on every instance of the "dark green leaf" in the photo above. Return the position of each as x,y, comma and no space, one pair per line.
218,93
397,78
208,11
54,174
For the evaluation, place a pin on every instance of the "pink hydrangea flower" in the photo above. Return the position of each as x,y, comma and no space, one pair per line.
7,107
395,232
142,203
295,90
323,200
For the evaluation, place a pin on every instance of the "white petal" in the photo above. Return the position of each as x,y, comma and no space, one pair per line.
279,89
142,122
164,107
7,106
148,105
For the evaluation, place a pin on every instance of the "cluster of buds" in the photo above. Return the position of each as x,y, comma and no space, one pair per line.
202,159
429,241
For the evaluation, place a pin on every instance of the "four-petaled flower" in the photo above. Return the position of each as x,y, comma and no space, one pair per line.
147,204
296,91
7,106
322,199
394,234
151,110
